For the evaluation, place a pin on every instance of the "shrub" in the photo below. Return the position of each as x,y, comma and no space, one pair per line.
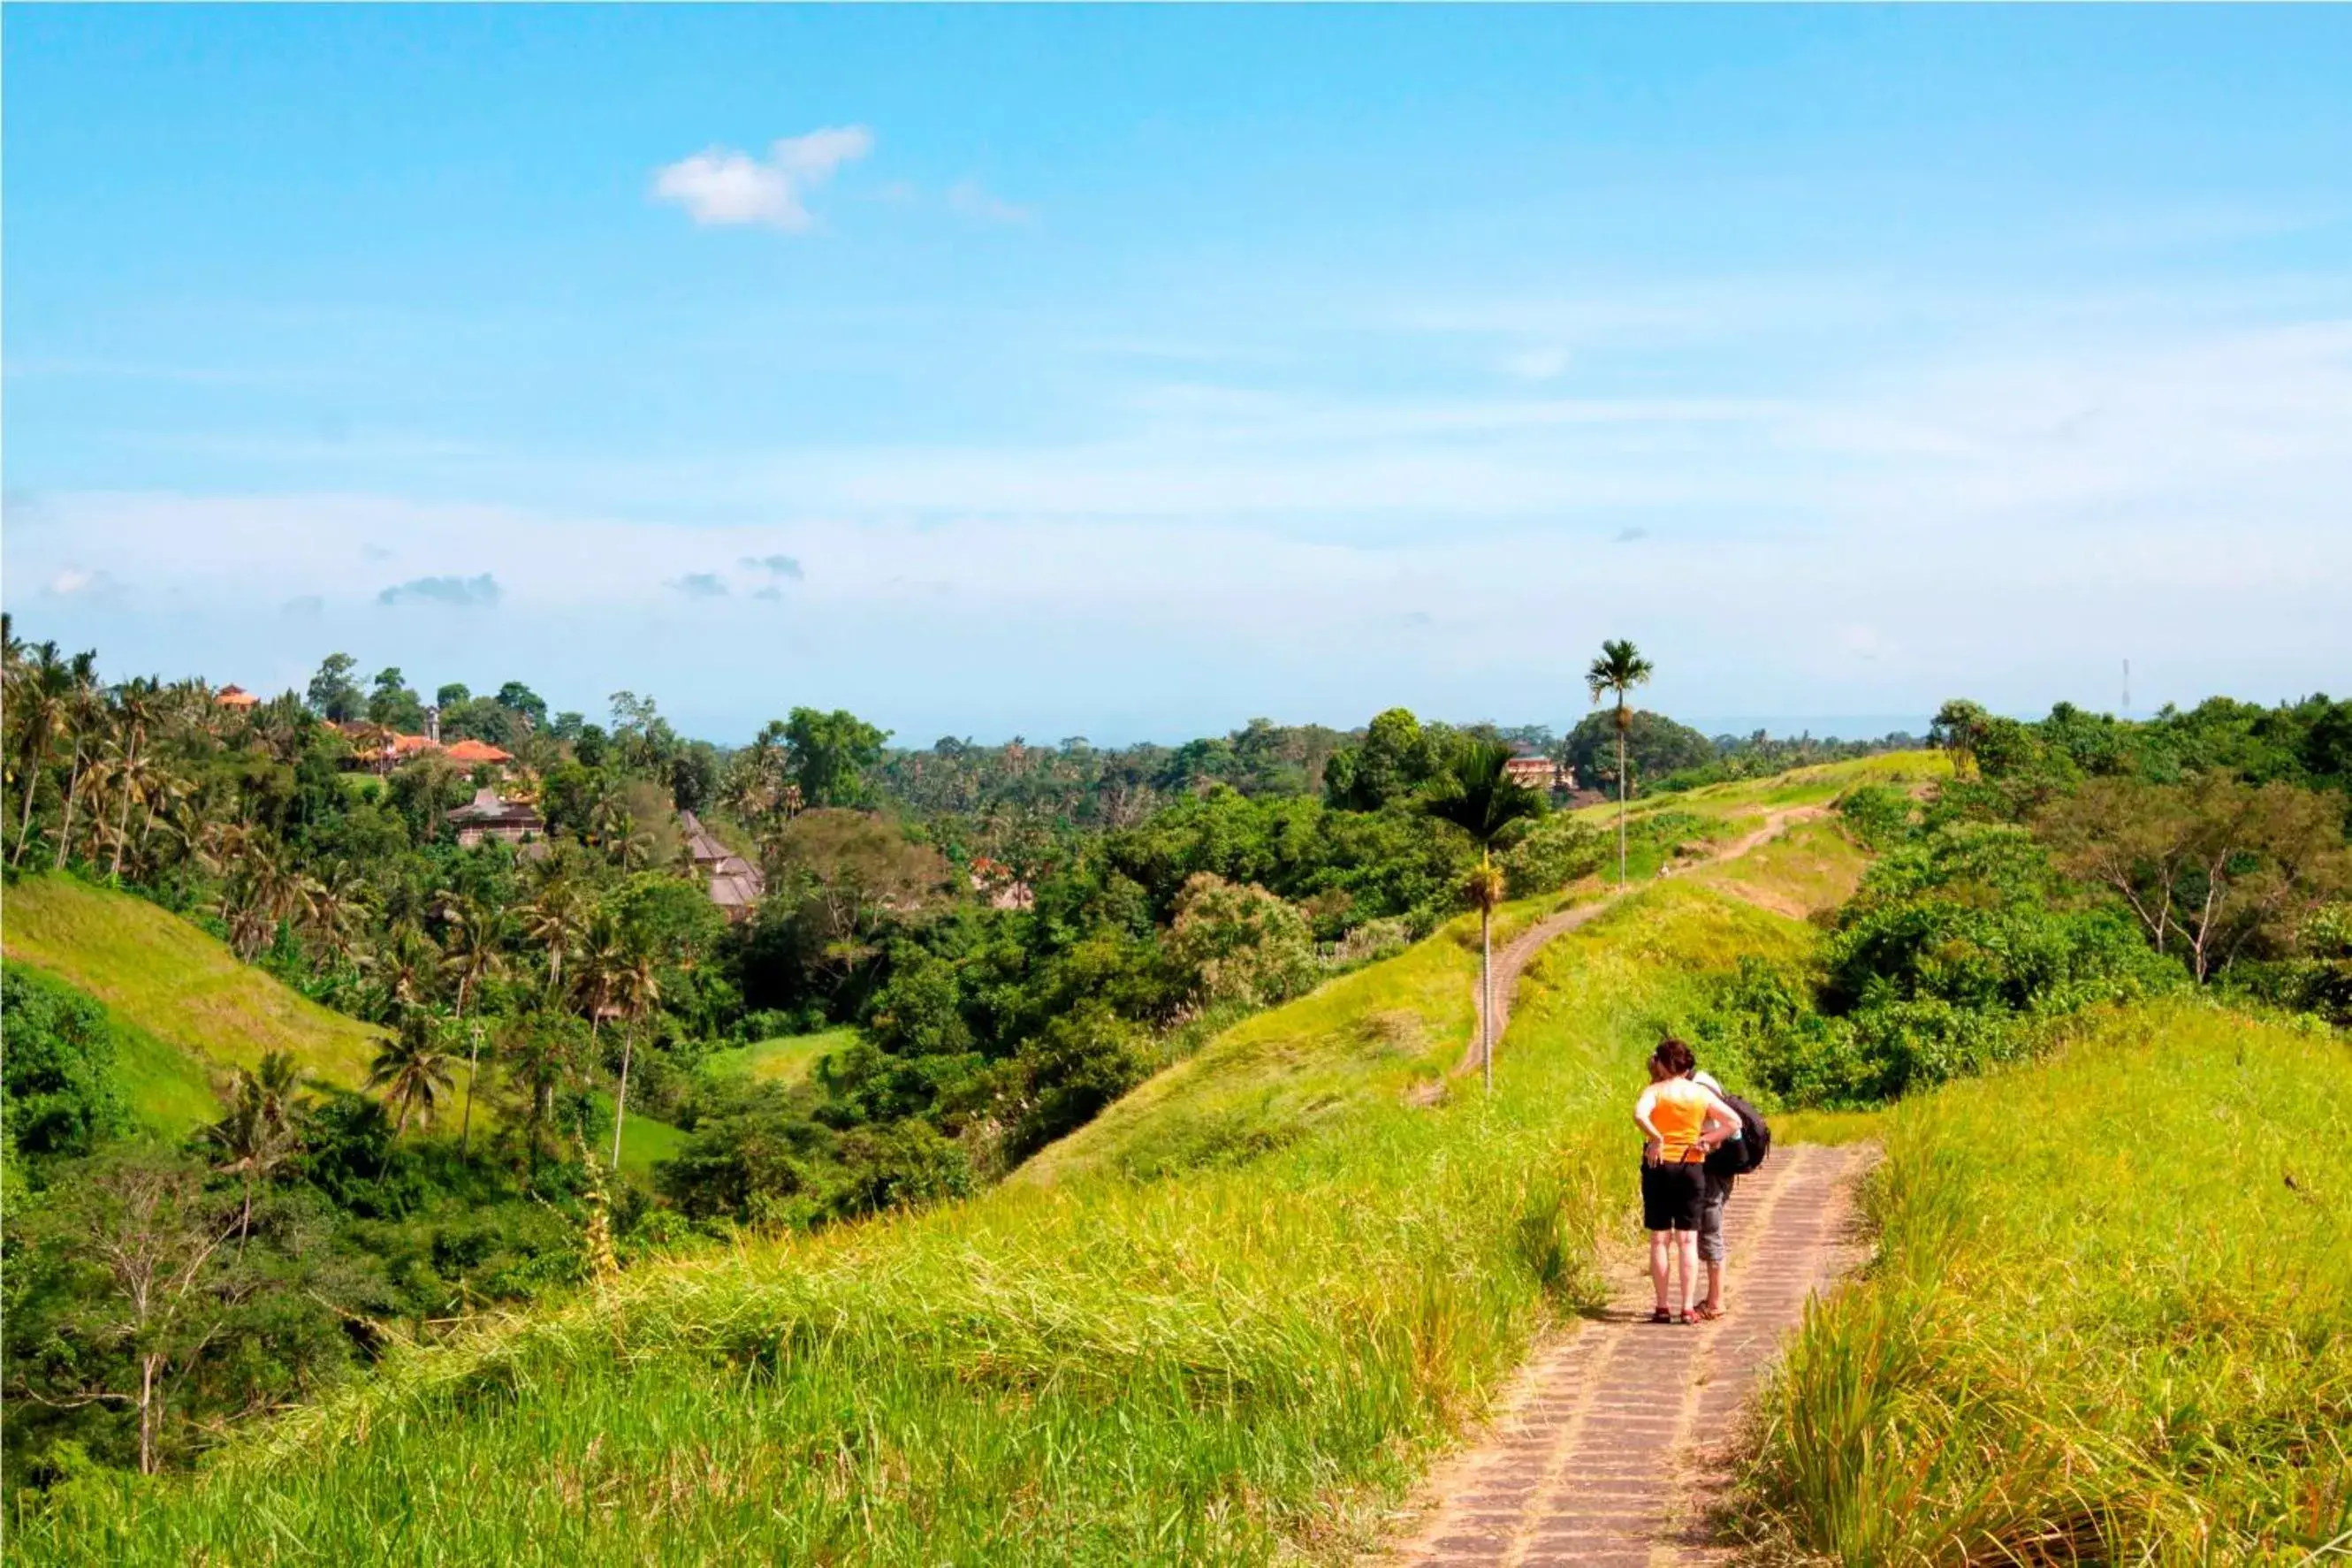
1240,944
1555,852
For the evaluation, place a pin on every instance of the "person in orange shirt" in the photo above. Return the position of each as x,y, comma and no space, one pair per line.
1680,1124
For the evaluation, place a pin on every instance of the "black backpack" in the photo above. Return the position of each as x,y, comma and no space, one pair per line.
1745,1153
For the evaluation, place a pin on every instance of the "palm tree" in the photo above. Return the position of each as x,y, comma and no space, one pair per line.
82,714
537,1050
637,988
1620,668
469,944
413,1069
134,703
555,920
1477,795
403,963
40,691
335,906
261,1128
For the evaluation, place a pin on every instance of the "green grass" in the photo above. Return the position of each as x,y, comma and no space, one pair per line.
2111,1318
1163,1345
186,1012
1815,785
180,986
1811,869
787,1059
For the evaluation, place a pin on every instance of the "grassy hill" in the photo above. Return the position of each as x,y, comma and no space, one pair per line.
189,1010
186,1012
1227,1325
786,1059
2111,1320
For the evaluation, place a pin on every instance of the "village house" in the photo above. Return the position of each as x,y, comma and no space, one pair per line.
489,816
734,883
236,698
1537,771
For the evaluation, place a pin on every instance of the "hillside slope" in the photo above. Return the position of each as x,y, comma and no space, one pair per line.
2111,1318
176,983
1224,1349
187,1012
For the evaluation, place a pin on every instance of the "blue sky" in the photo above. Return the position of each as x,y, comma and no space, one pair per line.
1129,373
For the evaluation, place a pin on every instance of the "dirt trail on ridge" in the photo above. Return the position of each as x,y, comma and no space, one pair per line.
1516,955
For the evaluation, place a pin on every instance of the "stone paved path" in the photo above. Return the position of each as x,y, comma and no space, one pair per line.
1607,1448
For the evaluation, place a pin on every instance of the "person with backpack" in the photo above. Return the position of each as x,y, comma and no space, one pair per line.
1681,1125
1733,1158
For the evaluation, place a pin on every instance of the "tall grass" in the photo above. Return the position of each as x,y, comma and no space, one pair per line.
1167,1350
2111,1320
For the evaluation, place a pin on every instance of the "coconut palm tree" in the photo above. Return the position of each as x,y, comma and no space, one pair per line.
261,1130
1620,668
471,933
1476,793
413,1069
40,692
83,716
135,703
537,1049
555,920
637,990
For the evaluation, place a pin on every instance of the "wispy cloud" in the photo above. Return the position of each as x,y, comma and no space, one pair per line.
699,585
720,186
81,582
464,592
972,200
774,565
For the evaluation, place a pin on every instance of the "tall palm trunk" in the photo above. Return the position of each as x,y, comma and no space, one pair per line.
73,793
472,1070
1486,994
1621,790
621,1100
122,826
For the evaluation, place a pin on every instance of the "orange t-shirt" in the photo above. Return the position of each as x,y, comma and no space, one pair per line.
1678,1110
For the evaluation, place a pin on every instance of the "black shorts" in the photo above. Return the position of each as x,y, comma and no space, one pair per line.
1671,1196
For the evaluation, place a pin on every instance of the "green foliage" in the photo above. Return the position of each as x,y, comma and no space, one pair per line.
334,692
58,1084
1077,1367
1552,854
1954,952
1655,748
1239,945
1396,757
1879,815
831,753
2109,1318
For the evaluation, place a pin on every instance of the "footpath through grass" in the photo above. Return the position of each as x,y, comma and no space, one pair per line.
2111,1320
1190,1339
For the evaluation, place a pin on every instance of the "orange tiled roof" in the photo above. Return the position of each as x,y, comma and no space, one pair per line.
234,697
472,751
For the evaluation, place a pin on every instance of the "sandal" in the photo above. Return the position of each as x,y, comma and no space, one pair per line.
1661,1315
1705,1314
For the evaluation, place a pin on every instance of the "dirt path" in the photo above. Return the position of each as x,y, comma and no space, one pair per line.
1610,1444
1520,951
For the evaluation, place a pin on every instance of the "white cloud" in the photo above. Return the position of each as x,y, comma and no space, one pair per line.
721,186
1542,363
968,197
80,581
